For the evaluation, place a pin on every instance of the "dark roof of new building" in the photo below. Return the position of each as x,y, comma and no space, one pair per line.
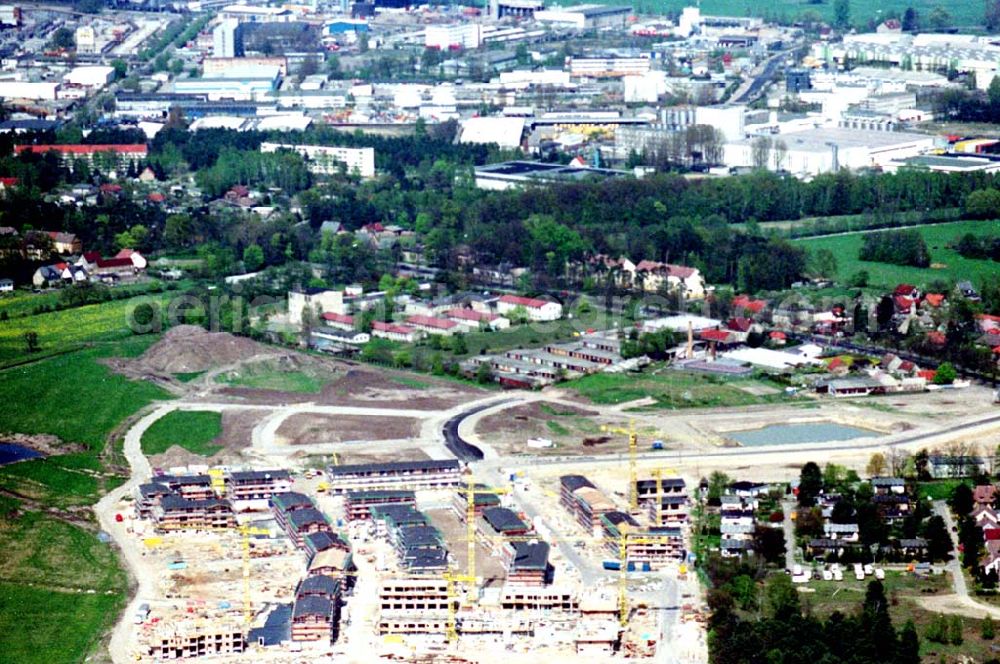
184,480
311,605
888,481
419,537
503,519
399,514
172,502
277,627
747,486
387,495
306,516
318,584
322,541
617,518
291,501
530,556
427,559
259,475
574,482
396,466
666,483
153,489
671,499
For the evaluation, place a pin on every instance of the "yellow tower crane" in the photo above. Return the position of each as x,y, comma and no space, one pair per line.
633,447
451,577
245,532
658,474
470,490
624,539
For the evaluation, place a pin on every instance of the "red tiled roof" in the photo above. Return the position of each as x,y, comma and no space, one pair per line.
9,182
937,338
92,256
470,314
430,321
904,289
778,335
739,324
744,302
991,534
113,188
715,335
125,253
904,303
114,262
836,363
135,148
927,374
156,197
381,326
996,349
518,300
679,271
339,318
934,299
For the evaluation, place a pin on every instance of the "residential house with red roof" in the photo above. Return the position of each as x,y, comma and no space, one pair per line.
536,309
395,332
472,320
119,154
433,325
65,243
338,321
743,305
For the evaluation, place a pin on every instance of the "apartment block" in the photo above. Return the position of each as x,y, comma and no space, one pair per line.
257,484
584,501
358,504
429,474
176,513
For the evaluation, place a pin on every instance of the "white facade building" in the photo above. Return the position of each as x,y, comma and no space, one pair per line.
827,149
41,91
327,159
460,35
96,76
224,39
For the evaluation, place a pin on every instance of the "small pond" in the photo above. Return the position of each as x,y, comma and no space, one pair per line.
807,432
12,452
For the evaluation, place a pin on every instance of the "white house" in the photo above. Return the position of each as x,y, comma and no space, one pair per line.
6,286
321,299
540,310
653,276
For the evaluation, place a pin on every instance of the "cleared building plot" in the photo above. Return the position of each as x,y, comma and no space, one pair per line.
312,428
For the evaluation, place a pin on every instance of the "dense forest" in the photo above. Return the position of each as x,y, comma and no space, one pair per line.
427,186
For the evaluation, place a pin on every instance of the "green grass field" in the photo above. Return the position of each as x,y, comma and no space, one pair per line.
964,14
267,378
68,329
74,396
194,430
672,389
953,266
60,589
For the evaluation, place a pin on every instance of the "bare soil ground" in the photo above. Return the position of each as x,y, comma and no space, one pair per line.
368,387
237,427
188,349
455,534
310,428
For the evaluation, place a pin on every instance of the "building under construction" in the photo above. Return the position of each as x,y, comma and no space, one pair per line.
666,499
176,513
427,474
584,501
316,611
358,504
650,548
413,606
186,637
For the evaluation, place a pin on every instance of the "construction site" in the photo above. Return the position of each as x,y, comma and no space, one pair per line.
414,560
